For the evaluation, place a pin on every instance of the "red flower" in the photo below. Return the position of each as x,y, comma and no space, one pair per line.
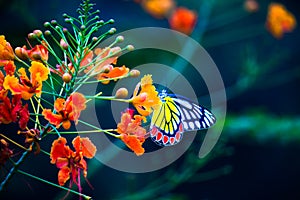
13,111
132,134
66,110
70,162
38,52
183,20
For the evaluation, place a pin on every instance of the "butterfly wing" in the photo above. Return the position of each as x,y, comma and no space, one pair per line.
166,124
193,116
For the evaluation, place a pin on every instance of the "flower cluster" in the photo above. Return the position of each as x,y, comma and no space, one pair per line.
180,18
42,97
69,162
279,20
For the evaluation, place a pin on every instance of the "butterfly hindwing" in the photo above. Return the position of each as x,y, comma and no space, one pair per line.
175,115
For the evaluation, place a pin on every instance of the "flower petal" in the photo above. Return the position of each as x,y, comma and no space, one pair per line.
133,143
84,145
54,119
59,149
63,175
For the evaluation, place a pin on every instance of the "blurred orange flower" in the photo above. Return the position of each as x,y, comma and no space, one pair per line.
183,20
66,110
279,20
71,162
145,97
132,134
27,87
158,8
6,51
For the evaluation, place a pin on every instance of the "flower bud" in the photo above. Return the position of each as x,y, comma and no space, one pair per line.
111,21
47,32
63,44
121,93
46,24
38,33
53,22
120,38
65,30
112,31
21,53
94,39
106,68
31,36
134,73
82,27
66,77
130,47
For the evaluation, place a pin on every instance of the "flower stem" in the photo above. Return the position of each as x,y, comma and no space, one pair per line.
55,185
15,143
14,169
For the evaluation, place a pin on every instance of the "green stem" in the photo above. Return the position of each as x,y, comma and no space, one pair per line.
55,185
14,169
104,131
84,132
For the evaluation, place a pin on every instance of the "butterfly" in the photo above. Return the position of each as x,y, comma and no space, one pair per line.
176,115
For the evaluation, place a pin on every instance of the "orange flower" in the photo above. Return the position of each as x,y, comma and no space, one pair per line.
114,73
67,110
158,8
71,162
145,97
6,51
132,134
105,57
183,20
27,87
279,20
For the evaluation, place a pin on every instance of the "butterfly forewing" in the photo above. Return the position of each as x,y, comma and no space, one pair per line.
193,116
166,127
